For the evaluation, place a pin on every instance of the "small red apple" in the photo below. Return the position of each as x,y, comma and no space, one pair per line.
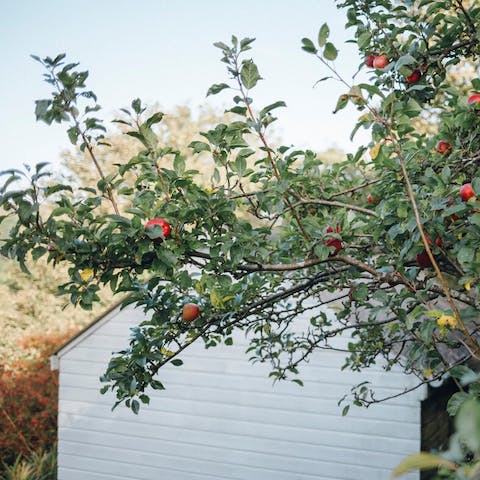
380,62
438,241
423,259
467,192
369,60
330,229
443,147
190,312
414,77
473,99
336,243
371,199
166,228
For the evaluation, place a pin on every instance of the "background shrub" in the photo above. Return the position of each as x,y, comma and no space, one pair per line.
28,400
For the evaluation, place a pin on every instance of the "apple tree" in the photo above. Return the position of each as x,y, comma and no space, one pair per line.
391,233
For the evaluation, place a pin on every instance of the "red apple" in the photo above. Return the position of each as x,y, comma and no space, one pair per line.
336,243
443,147
473,99
190,312
330,229
166,228
423,260
414,77
371,199
380,62
369,60
467,192
438,241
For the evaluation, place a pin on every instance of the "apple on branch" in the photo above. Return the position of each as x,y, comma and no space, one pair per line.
160,222
414,77
474,99
443,147
380,62
467,192
190,312
369,60
336,243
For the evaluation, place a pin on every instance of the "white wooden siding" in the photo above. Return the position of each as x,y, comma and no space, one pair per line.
221,418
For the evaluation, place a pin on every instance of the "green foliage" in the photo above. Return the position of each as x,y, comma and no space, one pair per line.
277,232
40,465
462,459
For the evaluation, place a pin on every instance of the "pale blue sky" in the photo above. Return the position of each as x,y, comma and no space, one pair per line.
162,52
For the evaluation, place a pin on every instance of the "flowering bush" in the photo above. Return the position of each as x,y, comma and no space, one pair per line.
28,399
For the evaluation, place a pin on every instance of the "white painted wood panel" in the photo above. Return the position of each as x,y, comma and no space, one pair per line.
221,418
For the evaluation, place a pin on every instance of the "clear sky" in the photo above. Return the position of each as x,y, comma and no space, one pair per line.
162,51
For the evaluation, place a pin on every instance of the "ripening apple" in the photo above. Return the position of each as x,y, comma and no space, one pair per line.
423,259
336,243
369,60
443,147
380,62
467,192
474,99
190,312
414,77
165,226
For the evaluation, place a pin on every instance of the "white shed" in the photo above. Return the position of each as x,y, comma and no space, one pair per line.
222,419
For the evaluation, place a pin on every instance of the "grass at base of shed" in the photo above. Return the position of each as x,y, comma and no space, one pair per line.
40,465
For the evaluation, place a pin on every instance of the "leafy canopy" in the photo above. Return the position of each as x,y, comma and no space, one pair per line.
384,234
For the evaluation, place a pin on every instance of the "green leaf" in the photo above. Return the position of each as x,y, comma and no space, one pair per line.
422,461
177,362
308,46
467,423
200,146
364,39
330,52
456,401
155,118
135,406
341,102
104,389
249,74
221,46
404,60
41,109
137,106
73,134
245,44
323,34
271,107
217,88
179,165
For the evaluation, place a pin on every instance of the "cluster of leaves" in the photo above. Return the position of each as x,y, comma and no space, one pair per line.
28,401
278,234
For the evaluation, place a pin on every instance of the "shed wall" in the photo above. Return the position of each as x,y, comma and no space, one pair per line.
221,418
